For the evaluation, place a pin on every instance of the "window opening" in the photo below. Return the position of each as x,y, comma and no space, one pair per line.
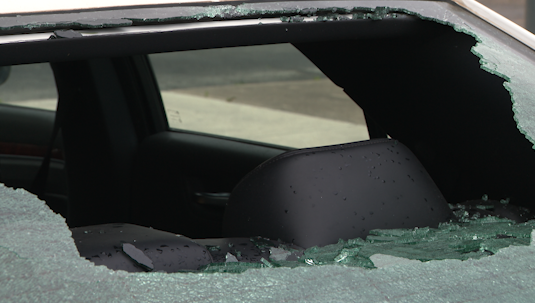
270,93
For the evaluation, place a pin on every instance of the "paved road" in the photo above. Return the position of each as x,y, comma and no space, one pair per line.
29,82
185,70
237,65
273,76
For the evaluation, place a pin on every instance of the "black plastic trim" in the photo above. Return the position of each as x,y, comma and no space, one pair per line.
202,38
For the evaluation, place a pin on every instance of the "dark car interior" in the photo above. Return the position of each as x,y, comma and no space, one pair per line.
115,159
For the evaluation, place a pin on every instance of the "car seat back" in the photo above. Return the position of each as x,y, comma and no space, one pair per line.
316,196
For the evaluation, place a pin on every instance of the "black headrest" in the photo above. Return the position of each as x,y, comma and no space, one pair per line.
316,196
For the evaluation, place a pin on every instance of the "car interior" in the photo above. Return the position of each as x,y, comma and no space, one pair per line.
110,153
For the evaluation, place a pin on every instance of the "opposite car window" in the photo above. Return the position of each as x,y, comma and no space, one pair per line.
269,93
30,85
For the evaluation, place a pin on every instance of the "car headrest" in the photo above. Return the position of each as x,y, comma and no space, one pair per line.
316,196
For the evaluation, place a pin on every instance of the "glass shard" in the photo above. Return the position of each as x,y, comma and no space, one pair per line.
138,256
230,258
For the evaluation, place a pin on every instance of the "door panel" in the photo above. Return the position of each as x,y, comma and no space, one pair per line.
174,169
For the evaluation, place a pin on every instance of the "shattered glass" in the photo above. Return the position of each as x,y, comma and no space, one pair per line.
230,258
138,256
39,261
462,239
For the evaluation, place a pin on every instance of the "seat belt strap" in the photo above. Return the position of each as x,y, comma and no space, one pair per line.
39,183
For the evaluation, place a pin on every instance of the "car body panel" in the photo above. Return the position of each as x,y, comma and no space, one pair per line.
499,21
